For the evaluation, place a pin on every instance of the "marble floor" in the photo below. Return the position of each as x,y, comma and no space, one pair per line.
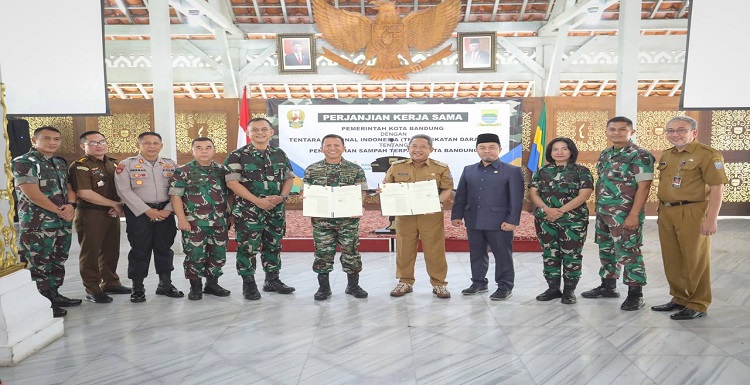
418,339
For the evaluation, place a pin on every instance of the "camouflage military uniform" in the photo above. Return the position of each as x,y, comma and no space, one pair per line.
263,173
619,171
562,240
204,195
44,238
329,232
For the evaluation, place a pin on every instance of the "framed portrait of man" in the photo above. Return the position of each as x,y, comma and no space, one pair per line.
477,52
296,53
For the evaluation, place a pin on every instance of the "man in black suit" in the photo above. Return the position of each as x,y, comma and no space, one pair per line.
488,201
297,57
474,56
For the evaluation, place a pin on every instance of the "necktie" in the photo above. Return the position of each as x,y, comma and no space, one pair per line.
299,59
474,56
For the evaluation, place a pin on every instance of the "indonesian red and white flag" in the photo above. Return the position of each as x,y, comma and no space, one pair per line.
242,134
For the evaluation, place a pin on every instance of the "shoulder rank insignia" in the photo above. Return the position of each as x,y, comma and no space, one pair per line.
439,163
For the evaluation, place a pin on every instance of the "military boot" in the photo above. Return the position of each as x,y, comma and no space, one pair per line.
60,300
634,300
569,288
353,288
249,288
608,289
552,292
166,287
196,290
139,291
274,284
58,312
212,287
324,291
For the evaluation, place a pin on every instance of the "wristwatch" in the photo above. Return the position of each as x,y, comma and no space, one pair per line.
284,197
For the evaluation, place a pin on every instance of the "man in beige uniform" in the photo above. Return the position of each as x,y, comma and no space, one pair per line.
427,227
142,182
691,185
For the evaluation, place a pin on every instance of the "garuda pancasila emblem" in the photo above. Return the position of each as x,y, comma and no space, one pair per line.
388,36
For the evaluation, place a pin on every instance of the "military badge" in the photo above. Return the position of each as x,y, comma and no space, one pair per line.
719,165
296,118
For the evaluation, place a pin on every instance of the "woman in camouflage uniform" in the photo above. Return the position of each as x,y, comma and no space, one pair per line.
560,190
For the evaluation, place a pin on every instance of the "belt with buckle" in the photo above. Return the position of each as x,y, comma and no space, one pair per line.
158,206
678,203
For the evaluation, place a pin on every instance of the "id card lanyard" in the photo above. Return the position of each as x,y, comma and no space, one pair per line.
677,180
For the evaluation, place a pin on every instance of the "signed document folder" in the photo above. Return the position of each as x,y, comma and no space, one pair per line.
409,198
332,202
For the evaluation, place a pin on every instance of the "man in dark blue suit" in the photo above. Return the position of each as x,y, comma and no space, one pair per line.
297,57
488,201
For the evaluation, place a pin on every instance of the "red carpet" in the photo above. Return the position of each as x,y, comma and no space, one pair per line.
299,234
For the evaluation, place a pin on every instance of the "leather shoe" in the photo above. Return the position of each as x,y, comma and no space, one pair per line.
687,313
60,300
117,290
138,297
501,294
474,289
98,298
58,312
669,306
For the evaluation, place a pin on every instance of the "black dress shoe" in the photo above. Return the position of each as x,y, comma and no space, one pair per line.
687,313
98,298
474,289
60,300
669,306
117,290
501,294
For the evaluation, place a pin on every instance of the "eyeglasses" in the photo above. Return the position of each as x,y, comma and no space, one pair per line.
681,131
99,143
264,129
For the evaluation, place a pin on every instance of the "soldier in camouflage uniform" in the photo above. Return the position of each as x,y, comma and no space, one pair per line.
334,170
261,178
198,193
625,174
560,190
46,213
